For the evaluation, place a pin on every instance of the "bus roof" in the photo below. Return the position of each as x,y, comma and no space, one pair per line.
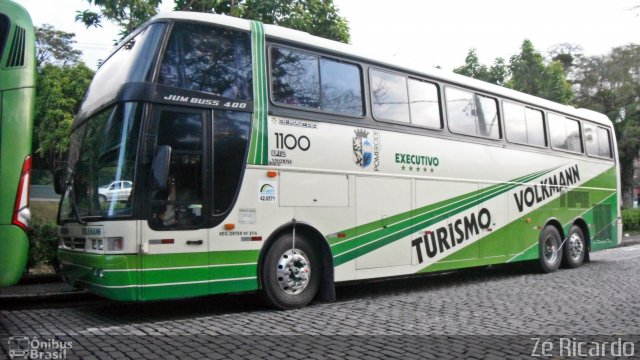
306,39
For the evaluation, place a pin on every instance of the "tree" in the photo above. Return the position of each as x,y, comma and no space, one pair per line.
317,17
55,47
611,84
128,14
531,75
566,53
59,92
62,80
496,74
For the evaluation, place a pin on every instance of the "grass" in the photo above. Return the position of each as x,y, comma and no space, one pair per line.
44,212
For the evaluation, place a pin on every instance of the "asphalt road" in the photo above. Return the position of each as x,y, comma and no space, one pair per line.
43,193
506,311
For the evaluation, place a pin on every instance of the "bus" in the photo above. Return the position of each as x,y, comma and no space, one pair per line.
17,93
266,159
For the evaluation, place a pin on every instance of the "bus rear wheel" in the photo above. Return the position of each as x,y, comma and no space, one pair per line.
574,248
550,249
290,275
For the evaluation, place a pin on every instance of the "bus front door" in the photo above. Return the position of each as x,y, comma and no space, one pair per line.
175,240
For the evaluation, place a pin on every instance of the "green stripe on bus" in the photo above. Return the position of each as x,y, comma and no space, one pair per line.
258,147
492,247
371,236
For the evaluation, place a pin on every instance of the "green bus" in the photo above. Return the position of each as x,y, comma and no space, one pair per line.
17,92
213,154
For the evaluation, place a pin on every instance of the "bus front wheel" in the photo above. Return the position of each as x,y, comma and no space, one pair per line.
550,249
290,273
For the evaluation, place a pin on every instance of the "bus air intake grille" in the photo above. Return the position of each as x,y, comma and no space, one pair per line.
78,243
16,53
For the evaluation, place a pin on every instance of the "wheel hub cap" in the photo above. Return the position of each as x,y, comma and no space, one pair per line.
294,271
575,246
550,250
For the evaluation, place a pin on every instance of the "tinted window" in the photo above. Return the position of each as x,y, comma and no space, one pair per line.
487,114
181,204
461,111
564,133
523,125
295,78
341,88
597,140
133,62
472,114
209,59
4,31
295,81
423,104
230,141
535,127
389,96
515,122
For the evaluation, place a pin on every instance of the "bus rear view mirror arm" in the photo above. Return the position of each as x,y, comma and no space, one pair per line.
161,162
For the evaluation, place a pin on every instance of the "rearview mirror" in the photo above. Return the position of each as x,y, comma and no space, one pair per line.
160,170
58,180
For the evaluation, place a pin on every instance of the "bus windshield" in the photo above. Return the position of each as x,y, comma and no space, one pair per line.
101,164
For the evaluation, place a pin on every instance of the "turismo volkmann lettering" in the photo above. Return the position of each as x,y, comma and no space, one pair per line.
548,187
455,233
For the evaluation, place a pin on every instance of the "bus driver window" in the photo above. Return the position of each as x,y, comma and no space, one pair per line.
180,205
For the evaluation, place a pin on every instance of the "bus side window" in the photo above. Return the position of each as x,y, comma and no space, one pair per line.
180,205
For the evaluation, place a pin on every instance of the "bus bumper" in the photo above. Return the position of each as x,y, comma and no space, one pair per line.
14,251
110,276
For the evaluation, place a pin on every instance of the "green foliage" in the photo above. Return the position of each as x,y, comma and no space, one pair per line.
59,92
531,75
496,74
128,14
610,84
631,219
43,245
55,47
317,17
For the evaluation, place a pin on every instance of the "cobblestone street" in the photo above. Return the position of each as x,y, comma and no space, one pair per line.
371,320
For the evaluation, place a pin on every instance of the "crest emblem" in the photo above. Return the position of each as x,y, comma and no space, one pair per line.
362,148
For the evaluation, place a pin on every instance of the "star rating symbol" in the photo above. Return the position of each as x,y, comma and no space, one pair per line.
403,167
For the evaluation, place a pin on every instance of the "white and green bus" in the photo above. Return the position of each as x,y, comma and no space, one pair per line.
249,157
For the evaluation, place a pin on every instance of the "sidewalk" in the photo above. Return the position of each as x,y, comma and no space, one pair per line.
41,288
51,288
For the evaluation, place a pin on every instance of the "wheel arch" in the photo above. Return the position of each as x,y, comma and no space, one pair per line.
327,287
556,224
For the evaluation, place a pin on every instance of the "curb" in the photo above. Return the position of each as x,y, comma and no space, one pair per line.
48,297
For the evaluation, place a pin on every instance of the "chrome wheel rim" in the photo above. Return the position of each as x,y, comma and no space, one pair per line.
550,250
294,271
575,246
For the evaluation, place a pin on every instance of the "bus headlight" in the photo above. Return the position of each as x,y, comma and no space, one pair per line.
96,244
115,244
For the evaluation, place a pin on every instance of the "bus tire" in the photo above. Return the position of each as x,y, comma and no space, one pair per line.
290,277
550,250
575,248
